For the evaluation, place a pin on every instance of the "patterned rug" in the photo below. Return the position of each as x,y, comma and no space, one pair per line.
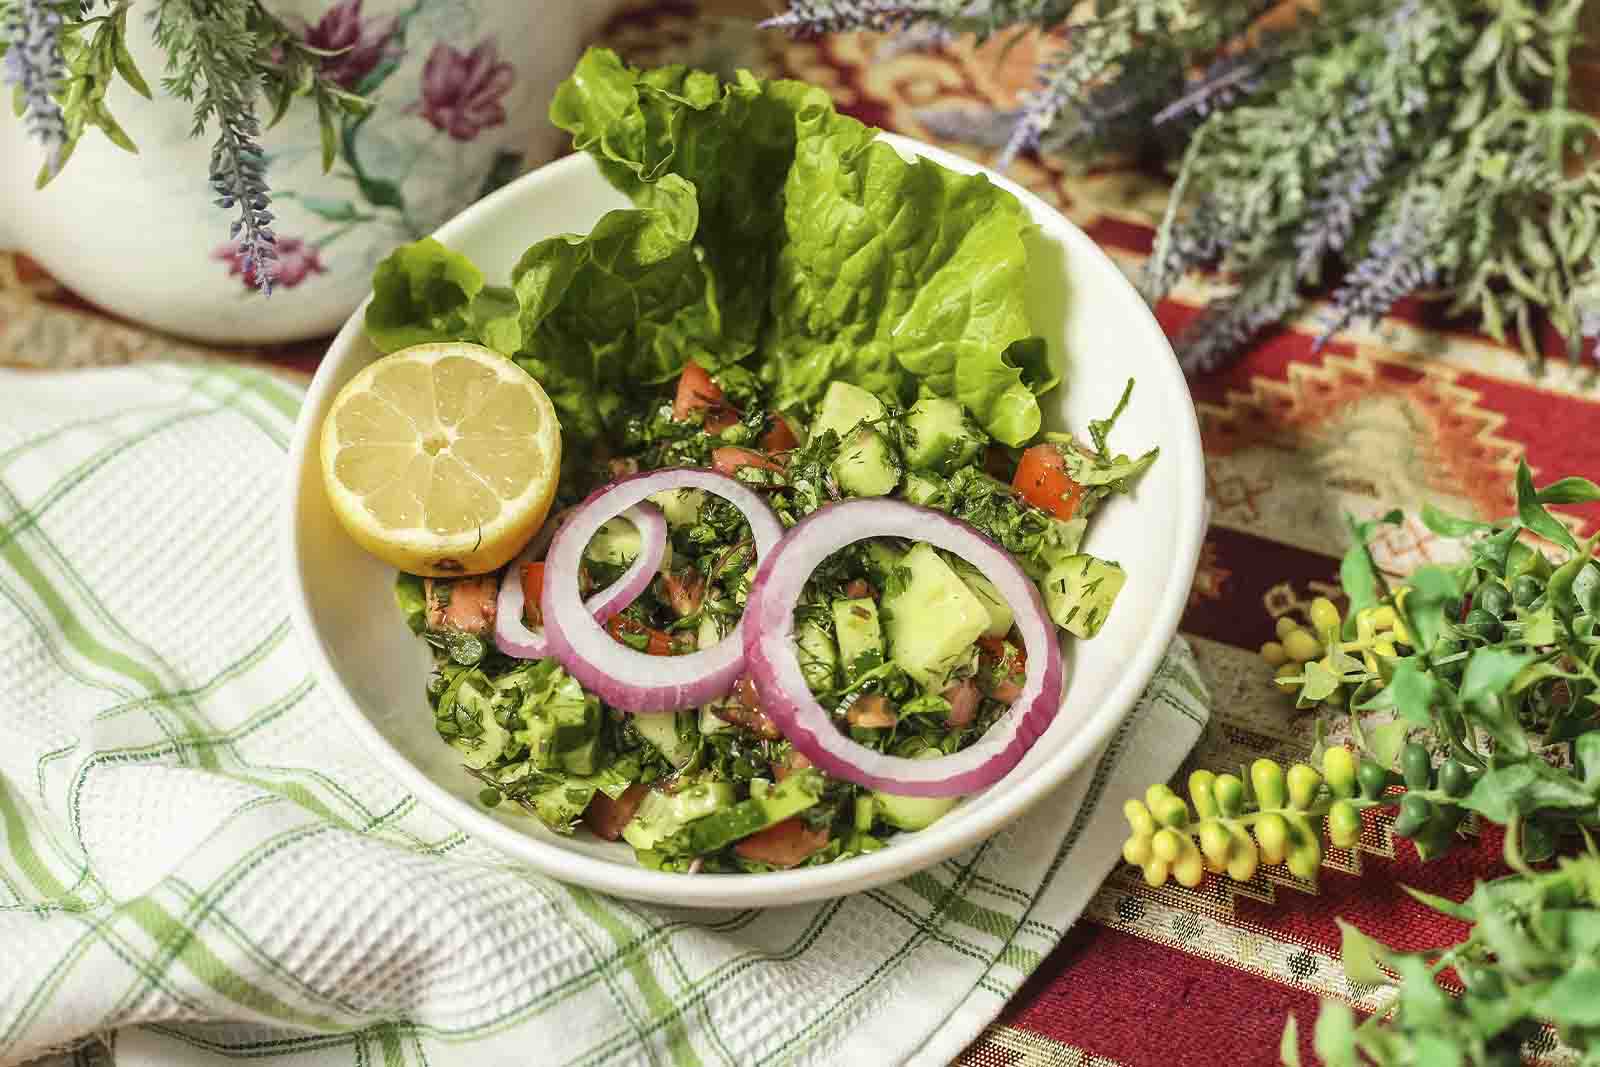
1414,410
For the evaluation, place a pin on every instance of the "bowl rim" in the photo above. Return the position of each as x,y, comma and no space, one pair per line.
807,884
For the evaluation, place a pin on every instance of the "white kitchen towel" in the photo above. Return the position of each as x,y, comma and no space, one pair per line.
199,864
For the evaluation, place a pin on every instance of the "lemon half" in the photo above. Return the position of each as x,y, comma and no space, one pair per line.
442,459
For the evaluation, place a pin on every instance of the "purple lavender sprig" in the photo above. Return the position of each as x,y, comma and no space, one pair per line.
34,64
239,178
1227,324
1344,195
816,17
1219,85
1399,261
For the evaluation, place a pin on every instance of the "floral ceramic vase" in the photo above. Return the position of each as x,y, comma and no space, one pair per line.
461,89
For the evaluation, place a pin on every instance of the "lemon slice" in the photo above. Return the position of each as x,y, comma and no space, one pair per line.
441,459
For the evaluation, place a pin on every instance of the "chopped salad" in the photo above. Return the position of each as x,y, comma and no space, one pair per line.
811,558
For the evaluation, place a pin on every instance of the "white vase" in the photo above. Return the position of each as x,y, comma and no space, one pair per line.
461,87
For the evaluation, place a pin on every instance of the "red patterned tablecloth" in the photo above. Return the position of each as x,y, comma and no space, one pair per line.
1416,409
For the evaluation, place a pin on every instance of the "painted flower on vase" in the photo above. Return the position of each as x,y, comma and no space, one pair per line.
296,261
361,43
462,91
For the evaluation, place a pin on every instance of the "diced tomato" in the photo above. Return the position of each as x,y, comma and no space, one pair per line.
778,438
729,459
1043,481
783,844
605,817
746,711
872,710
859,588
660,642
625,467
963,698
532,590
1004,668
697,392
685,590
468,605
793,761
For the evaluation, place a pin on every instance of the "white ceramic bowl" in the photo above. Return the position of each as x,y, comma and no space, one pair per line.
374,669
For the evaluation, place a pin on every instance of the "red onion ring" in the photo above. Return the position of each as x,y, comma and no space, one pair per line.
624,677
513,637
775,666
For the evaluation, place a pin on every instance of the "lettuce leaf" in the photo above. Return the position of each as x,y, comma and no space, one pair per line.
767,230
626,303
901,277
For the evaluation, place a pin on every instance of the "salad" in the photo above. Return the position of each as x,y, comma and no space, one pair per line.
809,558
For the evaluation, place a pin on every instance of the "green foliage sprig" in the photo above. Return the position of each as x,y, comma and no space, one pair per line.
1490,674
223,56
1409,147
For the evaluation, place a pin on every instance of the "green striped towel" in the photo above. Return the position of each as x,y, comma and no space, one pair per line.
198,865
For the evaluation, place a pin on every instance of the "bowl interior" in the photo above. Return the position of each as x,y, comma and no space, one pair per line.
1096,325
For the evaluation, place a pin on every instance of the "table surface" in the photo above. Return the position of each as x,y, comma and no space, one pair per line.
1415,409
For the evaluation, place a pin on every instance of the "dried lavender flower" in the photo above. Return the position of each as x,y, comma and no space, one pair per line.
239,178
810,17
35,66
1399,261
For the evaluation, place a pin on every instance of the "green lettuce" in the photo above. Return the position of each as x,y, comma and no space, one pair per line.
767,230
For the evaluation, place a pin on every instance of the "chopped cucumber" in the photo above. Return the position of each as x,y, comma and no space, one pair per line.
819,656
663,815
680,506
867,465
882,560
924,491
617,542
942,437
710,721
672,735
468,697
912,813
855,621
1079,591
788,798
1000,614
933,619
845,406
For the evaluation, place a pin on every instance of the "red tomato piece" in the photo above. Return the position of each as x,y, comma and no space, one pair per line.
1043,481
778,438
659,643
468,606
532,590
782,844
697,392
605,817
729,459
872,710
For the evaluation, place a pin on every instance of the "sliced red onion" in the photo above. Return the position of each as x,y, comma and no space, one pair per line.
770,651
512,635
624,677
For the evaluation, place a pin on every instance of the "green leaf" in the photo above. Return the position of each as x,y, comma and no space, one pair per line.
1447,525
1586,588
375,191
1441,904
328,208
1289,1044
1503,794
1385,742
1334,1038
1413,691
1436,1050
1533,514
1319,683
1569,491
1586,757
420,293
124,59
1490,672
1422,1002
330,153
1493,553
1572,999
1360,955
